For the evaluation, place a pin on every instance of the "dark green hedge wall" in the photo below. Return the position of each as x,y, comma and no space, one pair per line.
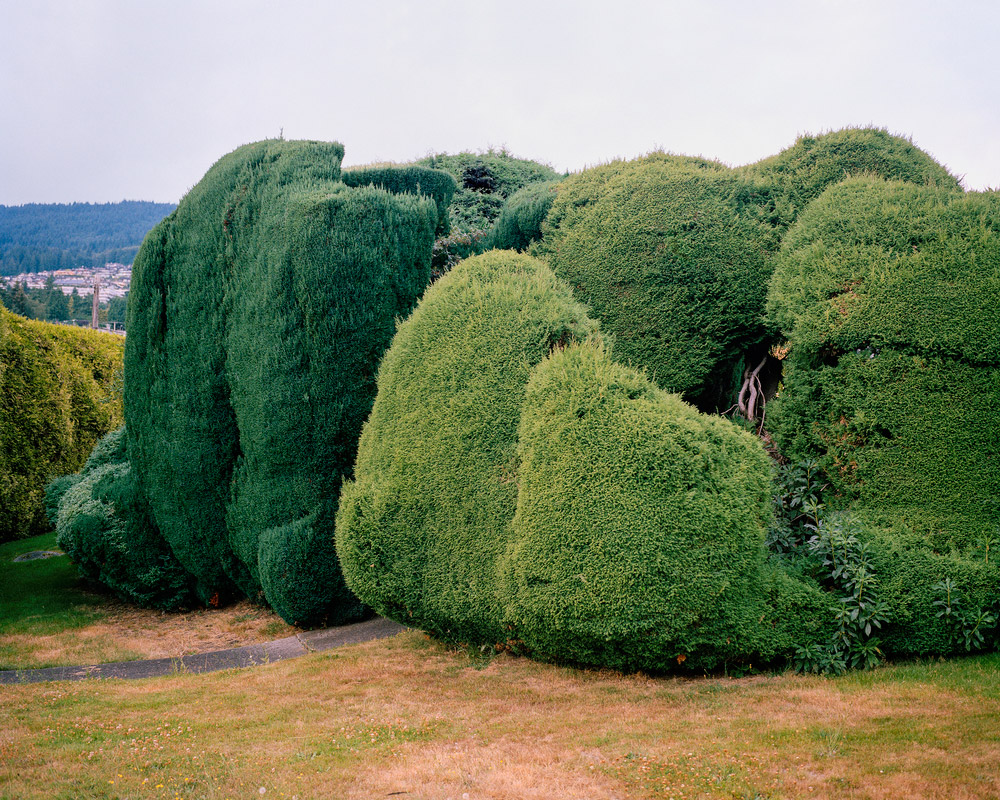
401,179
890,297
259,311
57,398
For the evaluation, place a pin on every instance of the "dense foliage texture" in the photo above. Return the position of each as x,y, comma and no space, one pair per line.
668,253
484,183
105,526
400,179
259,311
56,401
37,237
513,483
520,220
890,297
799,174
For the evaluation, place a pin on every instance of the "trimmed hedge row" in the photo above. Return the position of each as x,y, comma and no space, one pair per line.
800,173
513,483
673,254
403,179
890,297
259,311
57,398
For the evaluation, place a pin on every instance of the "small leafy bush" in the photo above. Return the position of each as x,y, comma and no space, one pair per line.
105,527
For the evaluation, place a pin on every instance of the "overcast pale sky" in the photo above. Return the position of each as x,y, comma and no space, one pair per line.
106,100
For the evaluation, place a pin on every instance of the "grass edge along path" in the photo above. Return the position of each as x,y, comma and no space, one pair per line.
231,658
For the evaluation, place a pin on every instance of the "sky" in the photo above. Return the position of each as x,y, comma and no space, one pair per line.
108,100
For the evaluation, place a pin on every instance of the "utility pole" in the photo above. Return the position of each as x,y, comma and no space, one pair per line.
97,301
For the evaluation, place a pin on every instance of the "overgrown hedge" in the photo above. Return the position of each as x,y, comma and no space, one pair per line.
57,397
513,483
668,253
104,525
889,295
259,310
484,183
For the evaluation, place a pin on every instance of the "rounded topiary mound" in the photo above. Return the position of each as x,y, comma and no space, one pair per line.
513,483
889,295
800,173
105,527
57,399
669,255
639,531
259,311
423,524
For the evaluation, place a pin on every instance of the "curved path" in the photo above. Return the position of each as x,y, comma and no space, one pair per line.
250,656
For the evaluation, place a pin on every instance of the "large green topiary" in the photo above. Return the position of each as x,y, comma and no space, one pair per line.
57,398
259,311
423,525
105,527
669,254
513,482
889,295
638,536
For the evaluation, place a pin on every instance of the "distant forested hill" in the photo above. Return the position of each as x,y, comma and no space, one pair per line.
38,237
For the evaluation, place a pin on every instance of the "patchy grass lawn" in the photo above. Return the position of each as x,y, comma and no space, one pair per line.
406,717
50,618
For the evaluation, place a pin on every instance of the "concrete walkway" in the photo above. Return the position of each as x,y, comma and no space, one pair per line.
250,656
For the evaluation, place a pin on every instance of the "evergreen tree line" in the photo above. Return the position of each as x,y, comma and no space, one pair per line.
37,237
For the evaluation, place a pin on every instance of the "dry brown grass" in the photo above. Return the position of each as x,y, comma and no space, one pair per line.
408,718
127,633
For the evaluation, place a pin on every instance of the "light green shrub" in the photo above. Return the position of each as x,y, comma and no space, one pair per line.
56,401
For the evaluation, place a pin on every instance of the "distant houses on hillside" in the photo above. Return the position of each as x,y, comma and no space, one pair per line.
113,279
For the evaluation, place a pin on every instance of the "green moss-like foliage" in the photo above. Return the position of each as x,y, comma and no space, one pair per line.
259,312
511,484
485,181
520,220
401,179
638,536
890,297
800,173
56,400
670,255
105,527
